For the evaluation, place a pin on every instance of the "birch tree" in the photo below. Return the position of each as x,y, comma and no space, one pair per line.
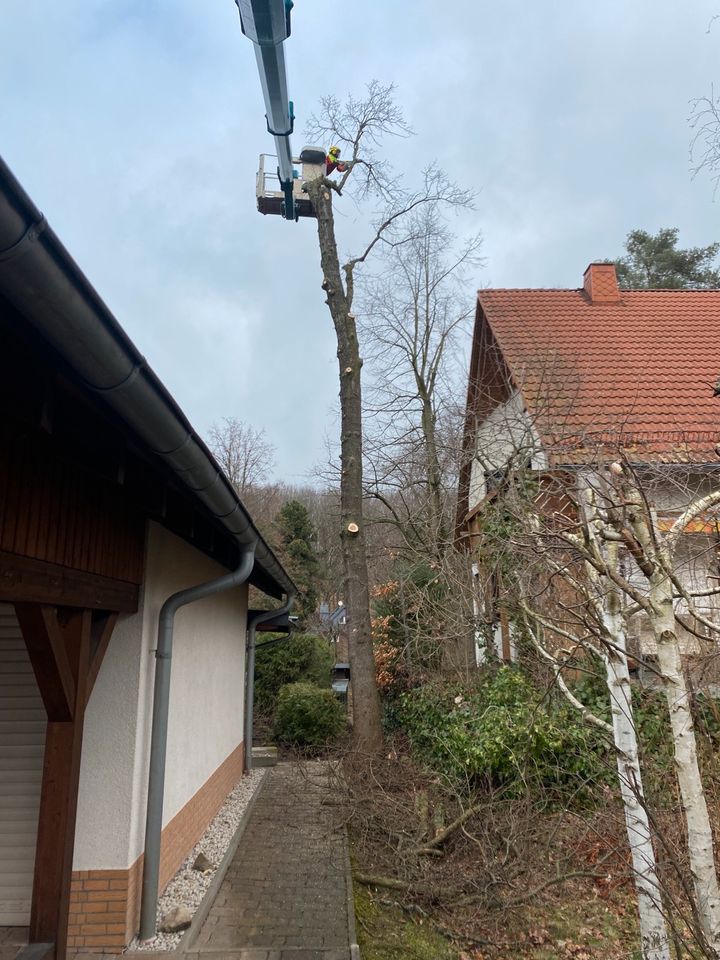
607,601
562,598
635,525
587,554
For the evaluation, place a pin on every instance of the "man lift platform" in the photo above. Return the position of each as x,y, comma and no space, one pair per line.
270,195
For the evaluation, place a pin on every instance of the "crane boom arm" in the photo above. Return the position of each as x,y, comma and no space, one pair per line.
267,24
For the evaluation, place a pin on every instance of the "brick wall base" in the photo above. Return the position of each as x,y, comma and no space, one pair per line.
105,904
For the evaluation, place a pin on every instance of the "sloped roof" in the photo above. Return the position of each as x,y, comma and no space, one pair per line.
50,292
638,372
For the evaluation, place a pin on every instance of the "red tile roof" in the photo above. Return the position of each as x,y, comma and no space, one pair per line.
638,372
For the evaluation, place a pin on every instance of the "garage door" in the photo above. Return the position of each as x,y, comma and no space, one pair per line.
22,742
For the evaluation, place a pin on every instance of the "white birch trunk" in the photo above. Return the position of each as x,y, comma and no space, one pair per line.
699,833
653,932
661,613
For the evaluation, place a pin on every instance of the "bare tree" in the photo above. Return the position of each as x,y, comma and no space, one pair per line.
244,453
705,143
359,127
415,309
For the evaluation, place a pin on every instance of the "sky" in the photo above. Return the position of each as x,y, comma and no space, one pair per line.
136,125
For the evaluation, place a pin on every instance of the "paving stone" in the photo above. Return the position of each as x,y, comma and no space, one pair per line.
284,896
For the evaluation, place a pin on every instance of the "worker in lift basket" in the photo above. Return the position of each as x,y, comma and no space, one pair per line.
333,162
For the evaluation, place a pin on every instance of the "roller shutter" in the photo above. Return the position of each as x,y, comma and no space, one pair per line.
22,743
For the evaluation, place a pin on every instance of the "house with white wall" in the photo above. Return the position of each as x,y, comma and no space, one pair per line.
125,562
563,381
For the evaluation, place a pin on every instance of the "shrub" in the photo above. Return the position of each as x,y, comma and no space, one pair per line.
308,716
653,725
500,731
299,658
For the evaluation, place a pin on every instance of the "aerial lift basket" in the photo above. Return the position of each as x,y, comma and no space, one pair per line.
270,197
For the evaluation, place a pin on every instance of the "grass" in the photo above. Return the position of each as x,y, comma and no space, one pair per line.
387,933
577,930
587,930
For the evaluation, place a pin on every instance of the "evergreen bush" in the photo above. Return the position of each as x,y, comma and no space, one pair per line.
653,725
499,731
308,716
298,658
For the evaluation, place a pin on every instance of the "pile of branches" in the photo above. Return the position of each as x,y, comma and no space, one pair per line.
466,862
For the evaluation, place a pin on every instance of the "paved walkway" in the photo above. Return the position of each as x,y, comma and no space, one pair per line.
287,892
285,895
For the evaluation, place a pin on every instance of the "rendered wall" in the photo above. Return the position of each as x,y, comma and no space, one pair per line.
207,691
506,434
105,797
206,706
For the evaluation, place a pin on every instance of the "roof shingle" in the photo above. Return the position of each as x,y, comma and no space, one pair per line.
638,373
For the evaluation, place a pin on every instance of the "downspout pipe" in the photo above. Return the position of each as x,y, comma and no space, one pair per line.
158,742
253,622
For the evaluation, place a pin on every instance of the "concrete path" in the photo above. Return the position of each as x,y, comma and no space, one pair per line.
287,894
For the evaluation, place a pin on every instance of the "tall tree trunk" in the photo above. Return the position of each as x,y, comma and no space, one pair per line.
367,724
653,932
607,601
699,832
697,820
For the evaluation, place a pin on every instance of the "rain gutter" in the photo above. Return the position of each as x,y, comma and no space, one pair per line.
40,278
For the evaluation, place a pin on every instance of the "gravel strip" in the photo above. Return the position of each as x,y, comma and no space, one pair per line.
188,886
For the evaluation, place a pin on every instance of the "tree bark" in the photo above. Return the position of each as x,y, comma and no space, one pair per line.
367,724
608,604
697,819
653,932
699,832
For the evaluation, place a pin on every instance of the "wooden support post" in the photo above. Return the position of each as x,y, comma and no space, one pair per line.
48,654
56,638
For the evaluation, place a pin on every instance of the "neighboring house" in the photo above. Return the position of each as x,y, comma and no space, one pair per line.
109,504
333,621
564,380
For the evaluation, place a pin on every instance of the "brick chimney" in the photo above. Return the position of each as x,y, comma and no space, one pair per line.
600,283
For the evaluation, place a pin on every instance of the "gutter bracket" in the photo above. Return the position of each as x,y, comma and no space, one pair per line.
30,236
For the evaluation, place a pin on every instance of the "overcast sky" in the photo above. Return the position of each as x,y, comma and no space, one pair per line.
135,125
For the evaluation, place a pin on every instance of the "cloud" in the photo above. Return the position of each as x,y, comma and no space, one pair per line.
136,127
